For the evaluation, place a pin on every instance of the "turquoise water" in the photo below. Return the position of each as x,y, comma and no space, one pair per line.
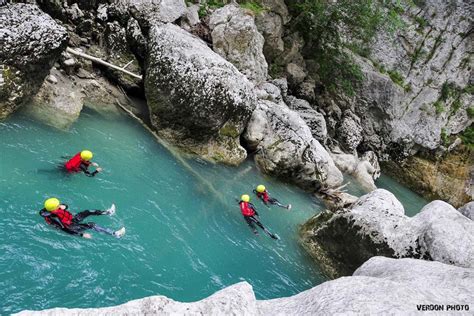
185,235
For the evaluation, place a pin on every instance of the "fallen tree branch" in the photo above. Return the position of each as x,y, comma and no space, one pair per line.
102,62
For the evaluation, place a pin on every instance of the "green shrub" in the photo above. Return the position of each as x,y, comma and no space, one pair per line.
470,112
439,106
255,7
396,77
320,23
467,137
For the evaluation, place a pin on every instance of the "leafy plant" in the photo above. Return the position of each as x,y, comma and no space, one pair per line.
253,6
470,112
330,28
467,137
439,106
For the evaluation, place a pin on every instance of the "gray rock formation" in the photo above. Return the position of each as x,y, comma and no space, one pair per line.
270,23
419,86
376,225
31,41
468,210
236,38
313,118
150,11
286,148
380,286
366,169
59,101
196,98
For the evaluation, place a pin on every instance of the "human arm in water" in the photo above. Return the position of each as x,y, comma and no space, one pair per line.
84,167
55,221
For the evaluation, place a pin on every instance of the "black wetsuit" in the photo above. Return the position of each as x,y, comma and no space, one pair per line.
76,227
84,167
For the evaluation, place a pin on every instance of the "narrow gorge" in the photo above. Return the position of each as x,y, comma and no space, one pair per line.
341,108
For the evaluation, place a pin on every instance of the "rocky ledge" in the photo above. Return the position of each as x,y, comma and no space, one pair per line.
31,41
379,286
376,225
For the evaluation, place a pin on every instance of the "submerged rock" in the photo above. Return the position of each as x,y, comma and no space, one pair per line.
376,225
285,147
31,41
197,99
236,38
380,286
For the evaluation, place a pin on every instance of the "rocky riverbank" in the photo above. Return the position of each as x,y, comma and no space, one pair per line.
380,286
227,82
376,225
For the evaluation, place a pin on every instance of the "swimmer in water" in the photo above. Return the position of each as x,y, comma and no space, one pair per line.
81,162
263,195
56,214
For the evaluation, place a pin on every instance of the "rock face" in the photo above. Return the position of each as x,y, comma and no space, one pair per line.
468,210
380,286
417,88
365,169
196,98
61,98
313,118
270,23
286,147
31,42
236,38
376,225
449,177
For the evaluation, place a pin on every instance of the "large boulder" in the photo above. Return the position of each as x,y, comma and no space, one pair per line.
197,99
380,286
148,12
285,147
313,118
236,38
61,98
376,225
31,41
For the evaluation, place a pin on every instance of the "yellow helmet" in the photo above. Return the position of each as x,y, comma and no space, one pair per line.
245,198
86,155
261,188
51,204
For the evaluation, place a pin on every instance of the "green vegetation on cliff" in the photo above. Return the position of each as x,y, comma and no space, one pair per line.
333,28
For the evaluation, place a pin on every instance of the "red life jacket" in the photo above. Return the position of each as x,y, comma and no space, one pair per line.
64,216
246,209
264,196
74,164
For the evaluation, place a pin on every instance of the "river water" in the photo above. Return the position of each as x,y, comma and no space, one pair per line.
185,235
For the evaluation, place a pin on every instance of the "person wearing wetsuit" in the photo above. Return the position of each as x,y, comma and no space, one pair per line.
81,162
56,214
251,216
263,195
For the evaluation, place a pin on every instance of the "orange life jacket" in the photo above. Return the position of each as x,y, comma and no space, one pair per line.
74,164
246,209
